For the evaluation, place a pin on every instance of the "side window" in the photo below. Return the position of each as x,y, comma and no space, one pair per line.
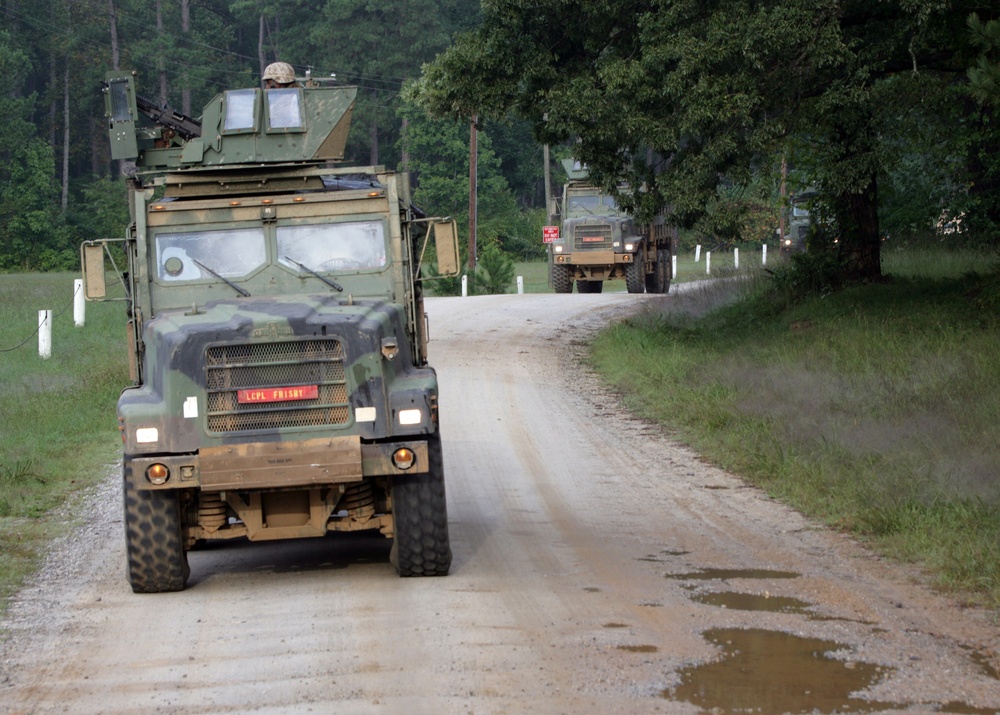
284,109
240,110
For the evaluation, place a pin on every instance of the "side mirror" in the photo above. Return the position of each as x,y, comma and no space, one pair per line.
92,260
446,246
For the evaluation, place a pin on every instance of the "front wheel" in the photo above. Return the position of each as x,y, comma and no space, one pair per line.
420,543
155,557
561,280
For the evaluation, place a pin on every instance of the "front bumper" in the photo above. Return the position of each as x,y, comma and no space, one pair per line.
280,465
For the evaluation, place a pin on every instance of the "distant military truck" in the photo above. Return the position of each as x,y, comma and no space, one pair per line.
595,241
799,221
276,334
807,228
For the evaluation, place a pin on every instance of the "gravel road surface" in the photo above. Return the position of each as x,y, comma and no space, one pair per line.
598,568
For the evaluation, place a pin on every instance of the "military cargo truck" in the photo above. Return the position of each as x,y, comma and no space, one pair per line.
276,335
597,242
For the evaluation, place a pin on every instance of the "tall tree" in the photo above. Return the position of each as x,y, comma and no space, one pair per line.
376,46
714,89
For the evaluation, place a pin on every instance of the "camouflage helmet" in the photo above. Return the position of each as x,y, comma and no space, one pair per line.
280,72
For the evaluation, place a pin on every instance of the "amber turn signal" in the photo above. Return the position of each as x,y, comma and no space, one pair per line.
157,474
403,458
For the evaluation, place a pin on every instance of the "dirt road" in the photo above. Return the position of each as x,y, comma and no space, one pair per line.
597,568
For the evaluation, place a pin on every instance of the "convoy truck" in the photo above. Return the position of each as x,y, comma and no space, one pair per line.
594,241
276,335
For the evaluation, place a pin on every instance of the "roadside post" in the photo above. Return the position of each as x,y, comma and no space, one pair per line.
45,334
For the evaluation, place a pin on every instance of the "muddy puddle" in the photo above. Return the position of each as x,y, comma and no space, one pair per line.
753,602
768,672
730,574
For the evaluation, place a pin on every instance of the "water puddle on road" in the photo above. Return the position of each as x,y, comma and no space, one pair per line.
727,574
768,672
639,648
753,602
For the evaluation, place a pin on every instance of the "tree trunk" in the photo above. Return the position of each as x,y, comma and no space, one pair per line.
160,60
64,201
373,155
405,141
260,46
115,54
185,81
97,166
860,246
54,102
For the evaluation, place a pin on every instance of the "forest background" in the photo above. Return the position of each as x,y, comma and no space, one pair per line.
937,139
58,185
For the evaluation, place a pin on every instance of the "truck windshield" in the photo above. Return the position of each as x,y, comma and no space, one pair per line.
593,203
229,252
348,246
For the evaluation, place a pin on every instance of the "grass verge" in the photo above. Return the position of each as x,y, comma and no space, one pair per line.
58,427
875,409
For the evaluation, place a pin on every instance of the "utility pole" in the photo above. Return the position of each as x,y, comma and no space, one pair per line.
548,183
473,171
781,210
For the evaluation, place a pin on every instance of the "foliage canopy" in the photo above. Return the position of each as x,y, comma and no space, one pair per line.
683,97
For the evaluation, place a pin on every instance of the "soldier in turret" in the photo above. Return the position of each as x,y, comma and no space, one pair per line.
279,74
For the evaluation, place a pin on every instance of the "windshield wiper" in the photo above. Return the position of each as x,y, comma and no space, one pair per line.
307,269
228,282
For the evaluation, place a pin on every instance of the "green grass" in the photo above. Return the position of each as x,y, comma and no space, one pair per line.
58,432
876,408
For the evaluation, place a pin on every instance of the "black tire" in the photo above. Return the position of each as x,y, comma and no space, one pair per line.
420,544
659,280
561,281
635,278
589,286
155,557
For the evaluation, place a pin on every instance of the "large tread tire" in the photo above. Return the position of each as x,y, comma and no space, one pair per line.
420,545
561,280
155,557
635,278
659,280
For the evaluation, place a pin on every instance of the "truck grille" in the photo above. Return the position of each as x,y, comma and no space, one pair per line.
592,237
231,368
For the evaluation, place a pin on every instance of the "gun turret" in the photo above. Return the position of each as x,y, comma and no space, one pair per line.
239,128
183,125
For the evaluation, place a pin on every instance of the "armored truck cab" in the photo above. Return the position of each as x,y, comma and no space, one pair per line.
598,242
276,335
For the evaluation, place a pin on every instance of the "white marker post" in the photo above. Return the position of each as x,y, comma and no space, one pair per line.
465,286
736,257
520,285
45,334
708,262
763,259
79,303
697,253
673,261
